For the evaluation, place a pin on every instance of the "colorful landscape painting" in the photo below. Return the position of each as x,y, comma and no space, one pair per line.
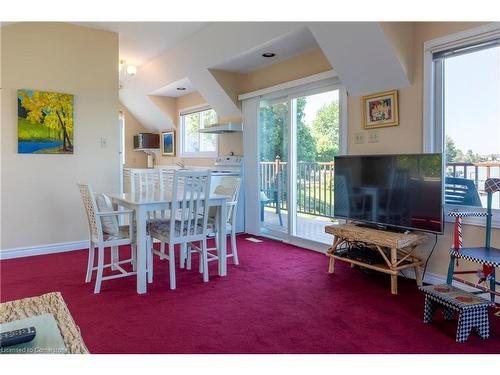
44,122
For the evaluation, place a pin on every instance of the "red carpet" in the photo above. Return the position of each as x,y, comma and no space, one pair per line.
279,300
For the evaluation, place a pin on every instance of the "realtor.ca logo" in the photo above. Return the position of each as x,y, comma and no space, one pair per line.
32,350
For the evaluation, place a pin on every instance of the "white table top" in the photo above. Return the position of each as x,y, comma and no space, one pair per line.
156,197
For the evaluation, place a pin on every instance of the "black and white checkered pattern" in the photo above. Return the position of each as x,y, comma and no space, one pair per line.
460,255
467,214
471,316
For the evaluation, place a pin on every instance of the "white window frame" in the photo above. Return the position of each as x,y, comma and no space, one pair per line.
182,134
433,130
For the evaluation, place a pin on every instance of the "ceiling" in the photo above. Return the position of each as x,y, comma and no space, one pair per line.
141,42
285,47
171,89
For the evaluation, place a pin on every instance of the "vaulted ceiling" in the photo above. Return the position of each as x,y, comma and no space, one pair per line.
208,58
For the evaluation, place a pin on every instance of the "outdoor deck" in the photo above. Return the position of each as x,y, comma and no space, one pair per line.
308,226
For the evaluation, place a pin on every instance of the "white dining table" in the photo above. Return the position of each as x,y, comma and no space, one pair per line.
144,202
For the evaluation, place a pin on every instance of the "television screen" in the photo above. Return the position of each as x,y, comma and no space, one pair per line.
402,191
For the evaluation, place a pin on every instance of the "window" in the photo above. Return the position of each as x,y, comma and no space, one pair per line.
194,143
463,94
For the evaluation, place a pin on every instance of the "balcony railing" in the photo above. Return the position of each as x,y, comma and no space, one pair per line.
315,182
314,186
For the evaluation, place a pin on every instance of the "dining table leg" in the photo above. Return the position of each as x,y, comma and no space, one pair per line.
140,215
221,223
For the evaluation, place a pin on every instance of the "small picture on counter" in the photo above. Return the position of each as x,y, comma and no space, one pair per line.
168,143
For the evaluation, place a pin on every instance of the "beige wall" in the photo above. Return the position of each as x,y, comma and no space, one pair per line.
41,204
303,65
133,159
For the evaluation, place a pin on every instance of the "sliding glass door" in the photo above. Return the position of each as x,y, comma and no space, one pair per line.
273,157
298,137
316,119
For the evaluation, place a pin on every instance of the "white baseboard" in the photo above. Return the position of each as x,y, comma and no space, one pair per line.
42,250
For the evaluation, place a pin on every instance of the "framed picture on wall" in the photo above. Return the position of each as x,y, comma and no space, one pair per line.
168,143
44,122
380,110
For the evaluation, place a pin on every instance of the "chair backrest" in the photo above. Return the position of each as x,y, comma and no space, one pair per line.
144,181
166,180
89,202
461,192
190,194
229,186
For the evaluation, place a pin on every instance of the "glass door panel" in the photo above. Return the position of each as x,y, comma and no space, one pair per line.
316,120
273,164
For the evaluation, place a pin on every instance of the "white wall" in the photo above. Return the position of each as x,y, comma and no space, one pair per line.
40,201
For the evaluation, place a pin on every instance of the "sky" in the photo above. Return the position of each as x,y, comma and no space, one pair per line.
315,102
472,101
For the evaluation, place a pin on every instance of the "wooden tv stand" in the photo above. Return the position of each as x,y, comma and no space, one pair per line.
395,248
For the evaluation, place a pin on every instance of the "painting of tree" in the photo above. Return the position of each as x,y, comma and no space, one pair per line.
45,122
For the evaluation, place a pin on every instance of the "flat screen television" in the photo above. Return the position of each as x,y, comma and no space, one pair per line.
391,191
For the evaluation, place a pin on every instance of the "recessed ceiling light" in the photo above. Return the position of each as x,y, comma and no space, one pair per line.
181,88
268,54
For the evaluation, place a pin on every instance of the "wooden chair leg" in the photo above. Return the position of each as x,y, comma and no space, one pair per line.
162,250
200,262
182,255
205,260
188,257
100,268
171,265
234,249
149,259
90,263
115,257
133,256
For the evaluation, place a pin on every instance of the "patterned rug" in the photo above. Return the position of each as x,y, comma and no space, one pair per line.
50,303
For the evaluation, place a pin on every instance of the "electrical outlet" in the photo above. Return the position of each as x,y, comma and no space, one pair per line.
359,138
373,136
104,142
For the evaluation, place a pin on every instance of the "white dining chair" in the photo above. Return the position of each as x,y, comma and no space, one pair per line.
103,236
187,222
229,186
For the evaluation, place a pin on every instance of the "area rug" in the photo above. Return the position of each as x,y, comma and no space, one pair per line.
50,303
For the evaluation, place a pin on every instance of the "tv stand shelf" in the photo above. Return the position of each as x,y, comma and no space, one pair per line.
397,249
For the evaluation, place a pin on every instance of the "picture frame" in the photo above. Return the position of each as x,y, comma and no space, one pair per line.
45,123
168,143
380,109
